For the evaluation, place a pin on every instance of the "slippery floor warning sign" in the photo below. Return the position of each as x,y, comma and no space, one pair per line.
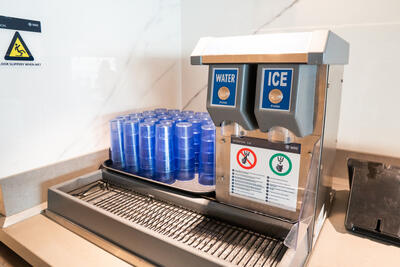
265,172
18,50
20,43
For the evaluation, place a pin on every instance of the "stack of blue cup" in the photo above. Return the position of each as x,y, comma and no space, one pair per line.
164,153
117,142
207,155
165,145
146,149
131,145
184,152
196,126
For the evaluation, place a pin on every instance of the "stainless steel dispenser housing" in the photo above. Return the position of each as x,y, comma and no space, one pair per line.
284,107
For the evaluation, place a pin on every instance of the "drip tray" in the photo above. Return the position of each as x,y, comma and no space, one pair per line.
172,233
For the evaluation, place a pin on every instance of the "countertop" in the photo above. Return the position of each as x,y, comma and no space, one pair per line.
42,241
337,247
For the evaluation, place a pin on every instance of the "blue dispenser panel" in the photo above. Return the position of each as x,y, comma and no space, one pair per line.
276,88
224,87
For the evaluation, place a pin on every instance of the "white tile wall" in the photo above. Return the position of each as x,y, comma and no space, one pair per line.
103,58
99,59
371,92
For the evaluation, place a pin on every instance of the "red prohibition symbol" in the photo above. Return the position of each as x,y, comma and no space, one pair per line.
246,158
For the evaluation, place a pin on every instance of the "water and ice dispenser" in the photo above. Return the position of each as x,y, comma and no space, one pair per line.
275,101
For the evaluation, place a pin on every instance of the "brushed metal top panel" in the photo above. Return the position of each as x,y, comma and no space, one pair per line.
314,47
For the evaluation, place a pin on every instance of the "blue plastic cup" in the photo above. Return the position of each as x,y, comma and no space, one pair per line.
196,125
131,144
164,143
147,149
164,163
117,142
184,151
208,133
207,155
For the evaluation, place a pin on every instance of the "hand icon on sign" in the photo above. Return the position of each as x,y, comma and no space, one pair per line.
246,154
279,166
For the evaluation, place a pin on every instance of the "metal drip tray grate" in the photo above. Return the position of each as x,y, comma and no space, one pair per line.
230,243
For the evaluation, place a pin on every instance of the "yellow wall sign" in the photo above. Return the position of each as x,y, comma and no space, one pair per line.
18,50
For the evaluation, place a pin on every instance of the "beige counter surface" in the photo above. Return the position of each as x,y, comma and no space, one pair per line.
41,241
337,247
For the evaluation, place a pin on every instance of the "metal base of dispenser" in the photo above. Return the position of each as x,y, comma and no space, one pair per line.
168,228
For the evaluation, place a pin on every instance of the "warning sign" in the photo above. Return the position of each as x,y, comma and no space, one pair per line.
20,42
18,50
265,172
246,158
